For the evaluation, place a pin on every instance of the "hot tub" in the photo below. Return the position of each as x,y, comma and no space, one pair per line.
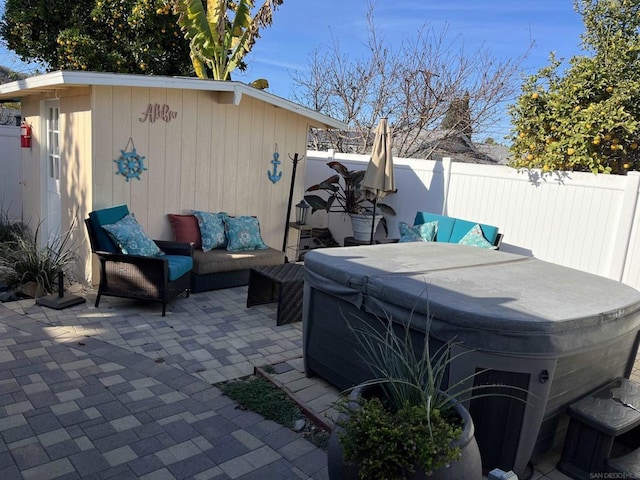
555,332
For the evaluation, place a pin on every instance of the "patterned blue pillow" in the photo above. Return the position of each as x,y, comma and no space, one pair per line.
211,229
243,233
475,238
130,237
425,232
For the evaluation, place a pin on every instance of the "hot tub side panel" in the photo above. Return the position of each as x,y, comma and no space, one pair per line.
330,349
579,374
508,431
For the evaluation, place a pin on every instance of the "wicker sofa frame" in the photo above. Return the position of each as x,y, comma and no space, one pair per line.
138,277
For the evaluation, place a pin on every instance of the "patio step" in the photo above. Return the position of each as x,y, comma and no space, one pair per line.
597,421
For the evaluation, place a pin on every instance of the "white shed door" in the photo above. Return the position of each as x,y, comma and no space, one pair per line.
54,201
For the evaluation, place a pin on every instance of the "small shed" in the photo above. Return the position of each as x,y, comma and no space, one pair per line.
159,145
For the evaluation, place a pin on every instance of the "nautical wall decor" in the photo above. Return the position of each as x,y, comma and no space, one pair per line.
274,175
131,163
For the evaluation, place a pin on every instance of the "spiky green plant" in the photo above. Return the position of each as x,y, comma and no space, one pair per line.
417,406
24,260
9,228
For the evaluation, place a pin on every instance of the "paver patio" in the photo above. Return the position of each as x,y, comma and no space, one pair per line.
121,392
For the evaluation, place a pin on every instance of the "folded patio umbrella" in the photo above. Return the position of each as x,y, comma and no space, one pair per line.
378,180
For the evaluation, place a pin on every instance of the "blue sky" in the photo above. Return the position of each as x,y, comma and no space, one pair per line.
504,27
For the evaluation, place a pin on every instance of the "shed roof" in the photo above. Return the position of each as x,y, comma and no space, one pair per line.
233,91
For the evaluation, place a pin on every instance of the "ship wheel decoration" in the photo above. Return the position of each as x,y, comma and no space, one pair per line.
131,163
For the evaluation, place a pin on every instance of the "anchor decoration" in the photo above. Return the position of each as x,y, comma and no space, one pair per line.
275,175
131,163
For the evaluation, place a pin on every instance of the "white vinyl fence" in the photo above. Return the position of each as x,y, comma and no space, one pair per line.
10,172
580,220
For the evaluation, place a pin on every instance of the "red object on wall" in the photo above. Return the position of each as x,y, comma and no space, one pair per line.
25,135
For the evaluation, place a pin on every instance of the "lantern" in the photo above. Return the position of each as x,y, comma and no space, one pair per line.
302,210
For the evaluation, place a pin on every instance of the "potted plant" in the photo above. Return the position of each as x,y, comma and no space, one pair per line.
405,423
345,195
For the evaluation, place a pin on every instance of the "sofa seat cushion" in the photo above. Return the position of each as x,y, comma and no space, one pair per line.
178,265
221,260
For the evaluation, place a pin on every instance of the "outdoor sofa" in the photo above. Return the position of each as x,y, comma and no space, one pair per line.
453,230
218,260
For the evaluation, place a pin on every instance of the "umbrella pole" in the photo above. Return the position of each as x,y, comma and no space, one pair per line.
373,220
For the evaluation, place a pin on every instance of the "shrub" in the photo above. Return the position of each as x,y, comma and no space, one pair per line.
586,118
389,444
9,228
24,260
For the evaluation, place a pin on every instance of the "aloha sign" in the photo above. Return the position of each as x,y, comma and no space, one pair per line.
155,111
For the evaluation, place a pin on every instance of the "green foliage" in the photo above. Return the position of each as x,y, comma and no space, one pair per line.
586,119
11,229
346,193
261,396
389,444
222,32
23,259
415,422
125,36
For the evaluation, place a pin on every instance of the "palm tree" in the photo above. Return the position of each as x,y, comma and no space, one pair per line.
222,33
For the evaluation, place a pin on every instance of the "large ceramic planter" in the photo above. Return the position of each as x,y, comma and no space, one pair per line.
361,224
468,467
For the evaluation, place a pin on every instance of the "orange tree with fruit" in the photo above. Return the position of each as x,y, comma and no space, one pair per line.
586,118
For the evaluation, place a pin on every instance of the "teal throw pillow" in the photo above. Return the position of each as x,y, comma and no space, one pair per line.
475,238
130,237
243,233
211,229
425,232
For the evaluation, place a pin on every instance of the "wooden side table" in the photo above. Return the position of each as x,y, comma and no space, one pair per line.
278,283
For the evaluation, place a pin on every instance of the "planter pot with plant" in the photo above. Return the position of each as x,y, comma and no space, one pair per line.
413,442
345,195
408,421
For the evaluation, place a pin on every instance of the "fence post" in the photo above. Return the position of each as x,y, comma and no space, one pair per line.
622,237
446,180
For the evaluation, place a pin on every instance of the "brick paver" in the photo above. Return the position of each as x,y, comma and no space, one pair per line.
121,392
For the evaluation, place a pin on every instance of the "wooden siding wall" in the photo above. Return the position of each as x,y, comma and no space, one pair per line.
75,168
213,156
76,171
579,220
